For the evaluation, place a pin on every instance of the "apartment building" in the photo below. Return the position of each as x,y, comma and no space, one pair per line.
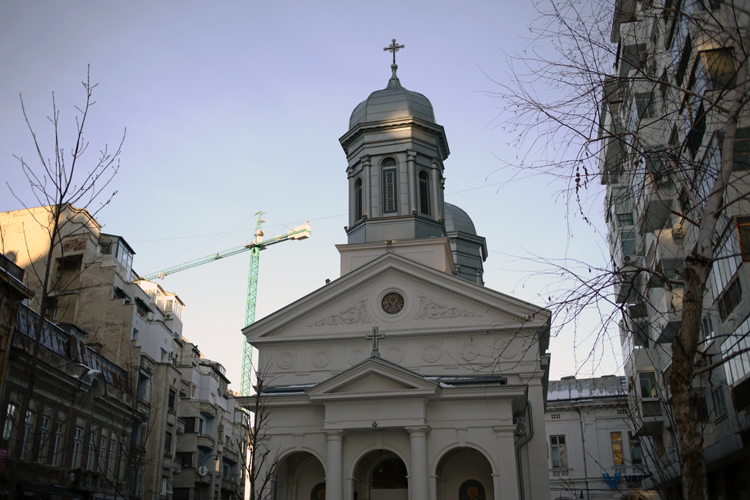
664,122
211,454
77,435
134,323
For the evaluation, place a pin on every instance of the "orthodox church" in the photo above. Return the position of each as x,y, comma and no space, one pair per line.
406,377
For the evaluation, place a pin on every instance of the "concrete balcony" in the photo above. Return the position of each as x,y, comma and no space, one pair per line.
205,441
627,281
667,313
229,483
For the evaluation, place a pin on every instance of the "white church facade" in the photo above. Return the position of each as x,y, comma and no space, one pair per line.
405,378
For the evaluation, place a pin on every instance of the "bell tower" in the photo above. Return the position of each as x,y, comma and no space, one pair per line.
395,152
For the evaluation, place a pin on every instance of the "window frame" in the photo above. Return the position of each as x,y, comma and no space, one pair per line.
618,452
389,176
558,447
358,199
423,180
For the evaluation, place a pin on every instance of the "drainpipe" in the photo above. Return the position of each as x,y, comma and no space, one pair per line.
583,441
518,450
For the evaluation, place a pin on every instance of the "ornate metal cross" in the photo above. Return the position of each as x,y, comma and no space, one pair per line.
393,48
375,336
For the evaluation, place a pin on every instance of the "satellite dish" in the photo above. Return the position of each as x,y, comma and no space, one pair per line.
202,470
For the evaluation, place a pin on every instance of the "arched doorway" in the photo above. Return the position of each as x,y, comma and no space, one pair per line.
299,476
381,475
465,474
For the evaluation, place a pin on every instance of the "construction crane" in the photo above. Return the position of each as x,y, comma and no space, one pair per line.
254,247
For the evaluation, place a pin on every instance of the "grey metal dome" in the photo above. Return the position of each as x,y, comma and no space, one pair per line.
391,103
458,220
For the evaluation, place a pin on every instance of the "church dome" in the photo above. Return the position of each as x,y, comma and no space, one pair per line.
458,220
391,103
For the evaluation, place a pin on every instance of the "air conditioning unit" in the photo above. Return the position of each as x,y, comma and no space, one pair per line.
629,259
169,316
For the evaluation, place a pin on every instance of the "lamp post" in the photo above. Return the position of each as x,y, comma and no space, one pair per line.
203,464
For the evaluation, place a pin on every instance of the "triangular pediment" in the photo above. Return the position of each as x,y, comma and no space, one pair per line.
374,377
424,301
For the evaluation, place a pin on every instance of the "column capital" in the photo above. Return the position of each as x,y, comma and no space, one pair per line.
416,430
504,430
334,435
410,153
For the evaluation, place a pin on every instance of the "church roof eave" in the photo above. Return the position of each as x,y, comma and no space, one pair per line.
378,126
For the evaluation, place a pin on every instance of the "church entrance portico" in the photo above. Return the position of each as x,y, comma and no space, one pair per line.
380,475
464,474
300,476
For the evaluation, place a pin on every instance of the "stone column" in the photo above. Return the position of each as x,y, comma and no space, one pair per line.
507,477
433,487
292,491
335,465
367,187
418,479
411,157
436,188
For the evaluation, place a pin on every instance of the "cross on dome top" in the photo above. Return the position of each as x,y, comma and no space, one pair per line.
393,48
375,336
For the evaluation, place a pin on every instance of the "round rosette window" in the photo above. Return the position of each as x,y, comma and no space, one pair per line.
393,303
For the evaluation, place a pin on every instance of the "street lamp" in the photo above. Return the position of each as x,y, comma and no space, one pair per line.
203,470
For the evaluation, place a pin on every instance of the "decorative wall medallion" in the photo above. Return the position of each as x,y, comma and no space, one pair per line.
394,355
469,351
429,309
355,356
285,360
431,353
392,303
320,359
506,349
354,315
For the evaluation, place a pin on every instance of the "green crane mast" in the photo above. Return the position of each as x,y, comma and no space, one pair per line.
254,247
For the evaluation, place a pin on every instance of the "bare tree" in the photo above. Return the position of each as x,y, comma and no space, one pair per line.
649,99
264,459
58,182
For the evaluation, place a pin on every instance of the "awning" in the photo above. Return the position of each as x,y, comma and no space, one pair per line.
119,291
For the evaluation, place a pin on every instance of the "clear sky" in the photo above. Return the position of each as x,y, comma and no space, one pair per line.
236,106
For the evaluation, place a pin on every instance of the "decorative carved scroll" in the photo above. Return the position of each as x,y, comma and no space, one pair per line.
429,309
355,314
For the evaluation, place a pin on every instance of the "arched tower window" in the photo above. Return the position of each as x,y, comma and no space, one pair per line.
389,177
424,193
358,201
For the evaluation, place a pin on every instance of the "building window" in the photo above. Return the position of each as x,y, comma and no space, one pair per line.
111,464
10,421
559,452
743,234
28,426
91,454
687,50
641,334
134,335
389,186
720,68
555,416
358,200
168,442
628,242
424,193
707,327
645,105
718,402
647,384
616,438
636,454
144,386
103,452
172,398
57,447
43,435
730,300
77,440
189,425
185,459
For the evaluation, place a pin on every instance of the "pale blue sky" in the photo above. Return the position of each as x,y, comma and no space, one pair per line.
237,106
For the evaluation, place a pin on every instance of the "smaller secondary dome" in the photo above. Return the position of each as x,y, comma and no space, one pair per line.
458,220
390,103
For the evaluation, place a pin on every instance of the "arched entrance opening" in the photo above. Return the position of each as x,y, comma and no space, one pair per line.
299,476
381,475
465,474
